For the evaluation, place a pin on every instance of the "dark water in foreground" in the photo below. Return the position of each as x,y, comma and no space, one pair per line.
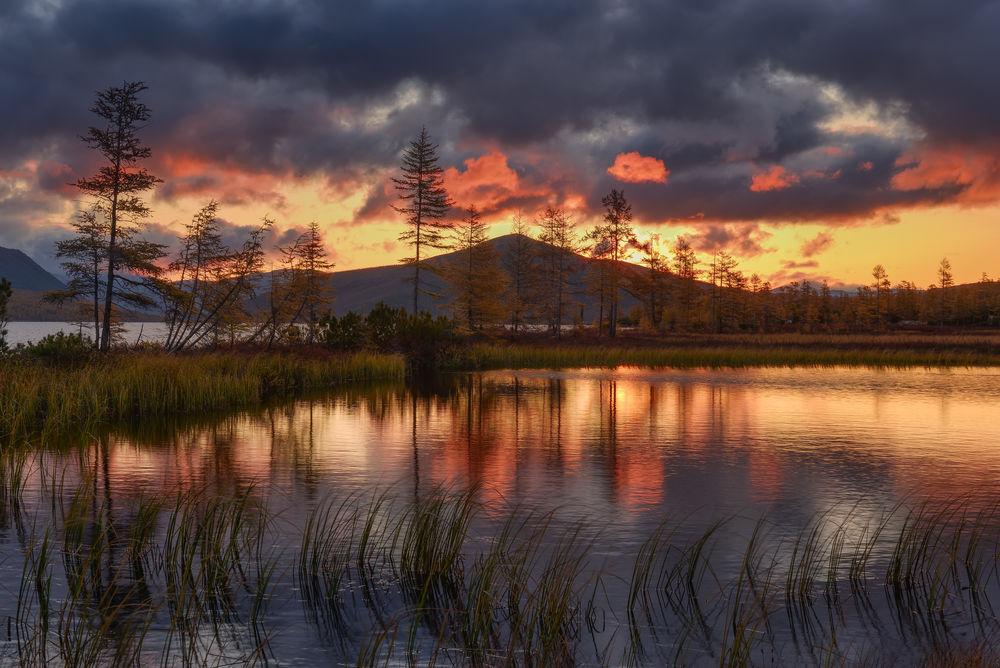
832,459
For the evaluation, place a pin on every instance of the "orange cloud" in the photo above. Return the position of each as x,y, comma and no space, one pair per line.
865,166
775,178
635,168
487,181
186,175
976,173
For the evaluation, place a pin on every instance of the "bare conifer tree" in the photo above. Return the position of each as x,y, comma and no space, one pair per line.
425,203
116,189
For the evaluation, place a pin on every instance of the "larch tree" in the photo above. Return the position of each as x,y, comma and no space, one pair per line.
212,282
612,240
83,259
116,188
475,276
651,287
945,280
424,204
686,269
881,286
305,281
5,292
555,266
519,261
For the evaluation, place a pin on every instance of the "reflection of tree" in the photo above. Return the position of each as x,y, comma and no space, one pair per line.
608,429
554,406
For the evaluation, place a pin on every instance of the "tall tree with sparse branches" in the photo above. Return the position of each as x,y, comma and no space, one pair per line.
555,266
424,203
213,283
519,263
612,239
5,293
304,287
116,189
475,276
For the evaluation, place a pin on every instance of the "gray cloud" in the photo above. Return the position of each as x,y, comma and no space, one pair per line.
714,89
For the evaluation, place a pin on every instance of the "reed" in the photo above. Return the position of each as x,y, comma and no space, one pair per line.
735,354
189,578
45,402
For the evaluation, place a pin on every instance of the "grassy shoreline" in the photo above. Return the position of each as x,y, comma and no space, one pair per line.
38,400
738,351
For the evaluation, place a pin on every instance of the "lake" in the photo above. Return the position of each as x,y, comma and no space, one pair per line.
597,517
132,332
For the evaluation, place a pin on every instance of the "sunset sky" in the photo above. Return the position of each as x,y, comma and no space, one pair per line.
810,139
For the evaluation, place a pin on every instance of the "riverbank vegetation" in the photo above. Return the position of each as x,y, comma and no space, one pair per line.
56,392
903,350
60,383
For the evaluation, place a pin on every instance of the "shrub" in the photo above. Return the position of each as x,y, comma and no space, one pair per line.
60,348
425,341
384,324
345,334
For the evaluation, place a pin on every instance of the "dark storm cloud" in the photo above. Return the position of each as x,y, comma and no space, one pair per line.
714,89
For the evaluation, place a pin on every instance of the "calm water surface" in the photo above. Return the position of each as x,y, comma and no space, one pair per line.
613,453
132,332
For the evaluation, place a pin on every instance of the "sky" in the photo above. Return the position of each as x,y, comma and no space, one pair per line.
812,140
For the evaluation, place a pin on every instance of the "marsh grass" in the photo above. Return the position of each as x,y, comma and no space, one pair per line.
742,351
190,579
47,402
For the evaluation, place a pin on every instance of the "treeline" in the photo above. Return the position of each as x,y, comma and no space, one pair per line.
545,285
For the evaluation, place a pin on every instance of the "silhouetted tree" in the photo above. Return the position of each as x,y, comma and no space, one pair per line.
116,189
519,261
84,257
612,239
881,286
303,288
425,203
554,261
945,281
5,293
475,276
212,282
686,269
651,287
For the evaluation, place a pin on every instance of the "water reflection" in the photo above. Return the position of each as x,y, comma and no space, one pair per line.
823,454
619,443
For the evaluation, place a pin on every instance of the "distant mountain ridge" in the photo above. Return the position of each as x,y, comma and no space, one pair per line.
24,273
359,290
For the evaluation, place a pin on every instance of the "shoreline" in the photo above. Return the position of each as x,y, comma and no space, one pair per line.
42,400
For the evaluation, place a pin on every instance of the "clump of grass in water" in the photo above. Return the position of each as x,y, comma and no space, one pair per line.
198,567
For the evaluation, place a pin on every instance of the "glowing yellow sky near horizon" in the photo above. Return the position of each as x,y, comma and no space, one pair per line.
910,249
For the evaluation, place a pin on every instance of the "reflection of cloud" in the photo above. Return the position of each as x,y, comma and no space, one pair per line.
635,168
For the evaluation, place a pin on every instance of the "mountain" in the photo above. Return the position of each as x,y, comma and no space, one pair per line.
359,290
24,273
